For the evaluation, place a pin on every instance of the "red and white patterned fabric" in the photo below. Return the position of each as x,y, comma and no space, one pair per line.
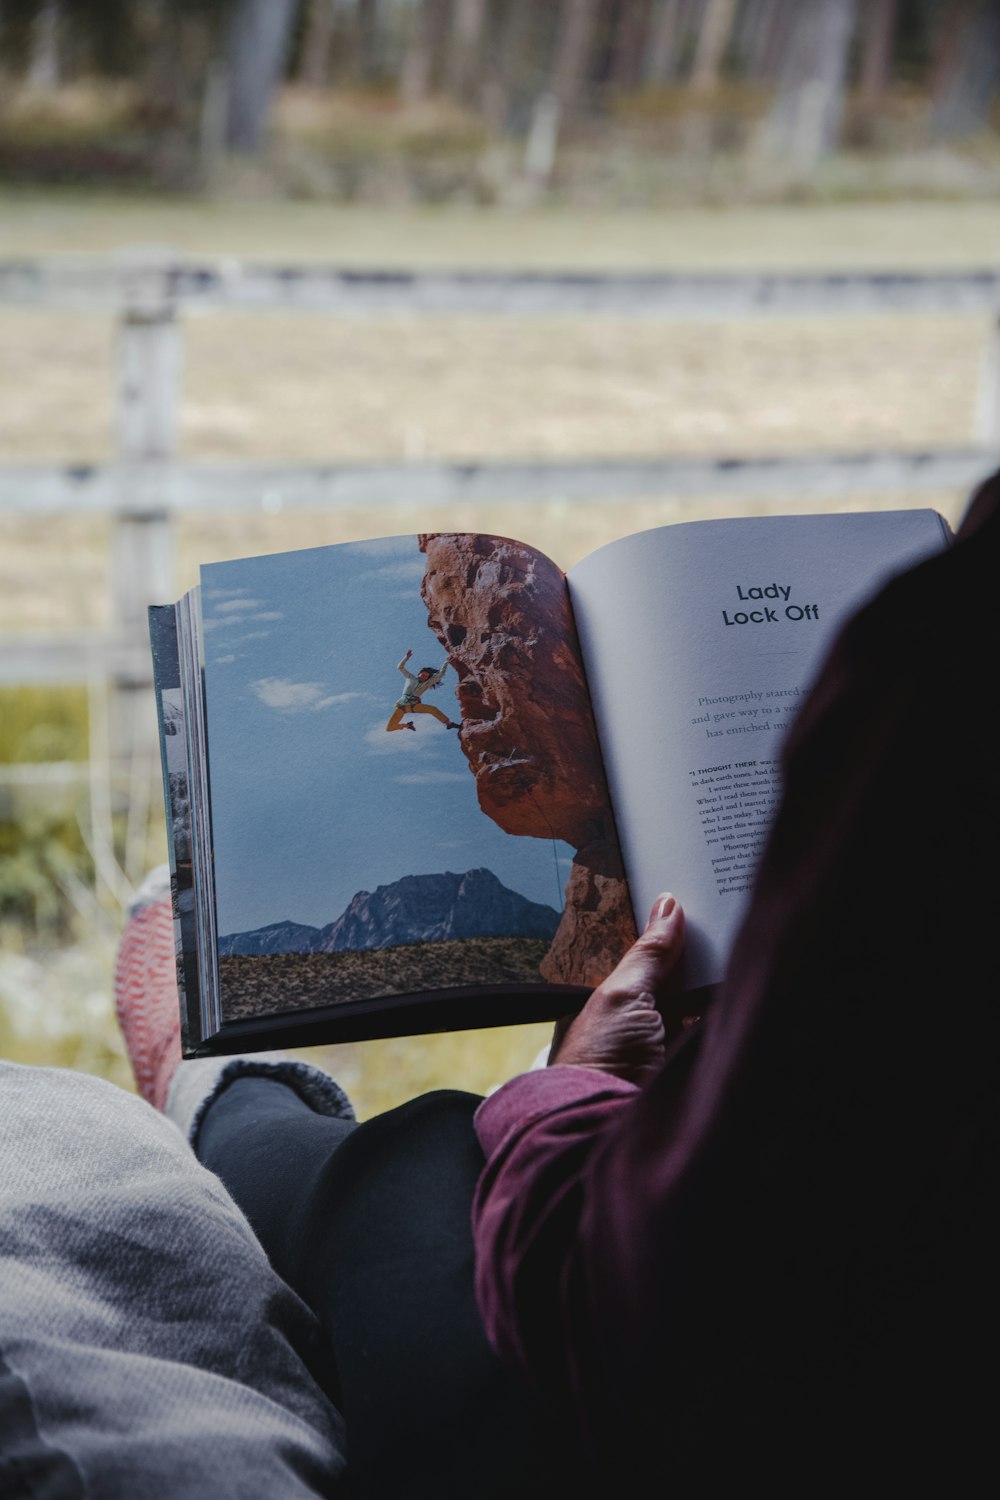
145,990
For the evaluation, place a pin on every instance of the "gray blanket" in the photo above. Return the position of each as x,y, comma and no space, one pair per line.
146,1346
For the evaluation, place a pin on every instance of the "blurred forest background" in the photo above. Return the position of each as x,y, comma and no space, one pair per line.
577,134
610,102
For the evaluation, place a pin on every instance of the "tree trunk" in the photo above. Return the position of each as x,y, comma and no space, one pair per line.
314,62
946,30
879,29
367,51
764,45
465,55
670,30
664,43
630,33
713,39
507,61
43,62
803,125
574,46
168,75
748,22
421,65
970,76
256,50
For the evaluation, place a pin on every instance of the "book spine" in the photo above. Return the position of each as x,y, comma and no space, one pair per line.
192,681
177,805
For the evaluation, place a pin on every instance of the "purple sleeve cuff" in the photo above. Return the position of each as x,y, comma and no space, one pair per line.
531,1096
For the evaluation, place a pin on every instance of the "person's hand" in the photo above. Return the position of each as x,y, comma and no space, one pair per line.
620,1030
408,655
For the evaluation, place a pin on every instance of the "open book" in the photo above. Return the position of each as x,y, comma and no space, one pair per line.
431,782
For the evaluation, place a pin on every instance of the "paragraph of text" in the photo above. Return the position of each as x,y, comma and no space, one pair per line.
735,804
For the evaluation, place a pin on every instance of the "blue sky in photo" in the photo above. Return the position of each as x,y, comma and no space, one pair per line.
312,801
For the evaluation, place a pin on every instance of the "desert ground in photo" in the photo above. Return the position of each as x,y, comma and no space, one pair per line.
259,983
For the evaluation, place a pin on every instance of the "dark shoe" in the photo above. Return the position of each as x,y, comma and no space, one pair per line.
409,724
450,725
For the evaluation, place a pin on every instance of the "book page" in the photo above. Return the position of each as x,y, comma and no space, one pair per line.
699,642
406,786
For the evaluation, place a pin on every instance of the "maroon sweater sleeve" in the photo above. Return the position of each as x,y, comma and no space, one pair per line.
537,1133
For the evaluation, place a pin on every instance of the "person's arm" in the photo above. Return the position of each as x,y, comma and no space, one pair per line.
401,667
539,1132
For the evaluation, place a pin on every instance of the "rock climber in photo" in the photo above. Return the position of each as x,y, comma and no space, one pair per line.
410,702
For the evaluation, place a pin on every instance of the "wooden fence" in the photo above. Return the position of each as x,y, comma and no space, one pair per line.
147,484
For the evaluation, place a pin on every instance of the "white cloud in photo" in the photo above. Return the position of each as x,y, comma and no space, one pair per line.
223,593
400,741
287,696
234,606
240,640
334,700
431,778
411,570
227,622
221,661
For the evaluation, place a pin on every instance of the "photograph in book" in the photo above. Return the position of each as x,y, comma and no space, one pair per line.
407,793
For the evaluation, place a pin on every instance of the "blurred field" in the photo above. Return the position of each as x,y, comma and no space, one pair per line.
953,231
311,389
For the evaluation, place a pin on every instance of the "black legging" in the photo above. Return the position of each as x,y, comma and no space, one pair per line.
370,1224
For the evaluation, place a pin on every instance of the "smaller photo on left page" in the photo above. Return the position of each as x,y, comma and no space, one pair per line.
353,857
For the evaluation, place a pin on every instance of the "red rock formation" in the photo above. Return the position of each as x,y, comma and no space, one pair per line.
596,928
501,612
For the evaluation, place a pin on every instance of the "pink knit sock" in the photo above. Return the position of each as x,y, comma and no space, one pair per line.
145,989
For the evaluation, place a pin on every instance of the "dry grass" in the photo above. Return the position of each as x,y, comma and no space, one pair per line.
321,388
314,389
898,235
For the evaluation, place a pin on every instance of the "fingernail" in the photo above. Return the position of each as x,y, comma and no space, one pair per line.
662,907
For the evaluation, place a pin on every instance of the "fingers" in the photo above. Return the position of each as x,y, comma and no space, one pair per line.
650,963
620,1029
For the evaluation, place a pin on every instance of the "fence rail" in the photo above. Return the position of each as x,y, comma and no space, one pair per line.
146,484
128,283
86,489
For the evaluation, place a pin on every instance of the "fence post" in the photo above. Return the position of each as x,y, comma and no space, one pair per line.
988,394
148,398
543,138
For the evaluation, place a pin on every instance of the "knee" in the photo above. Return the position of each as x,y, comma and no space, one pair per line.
440,1102
443,1115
